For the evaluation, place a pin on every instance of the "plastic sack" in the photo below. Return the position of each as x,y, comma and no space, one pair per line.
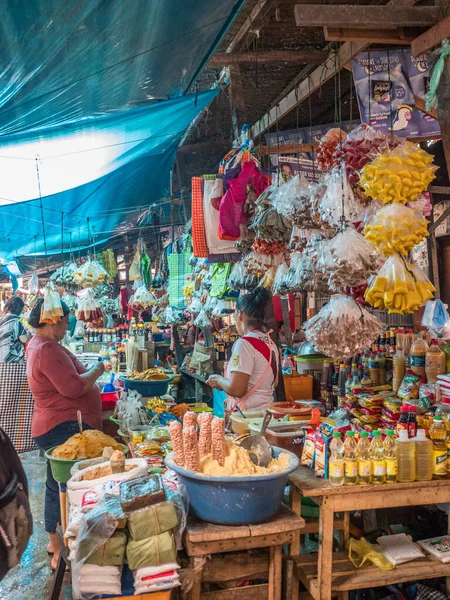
202,320
361,146
51,310
399,175
280,287
338,199
399,286
237,276
293,201
88,309
33,285
435,317
209,305
348,260
399,548
327,148
342,328
90,274
195,306
396,228
271,226
142,299
365,551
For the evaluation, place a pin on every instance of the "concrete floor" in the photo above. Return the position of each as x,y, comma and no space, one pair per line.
31,580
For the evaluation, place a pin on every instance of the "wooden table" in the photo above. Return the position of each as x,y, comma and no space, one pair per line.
332,573
204,540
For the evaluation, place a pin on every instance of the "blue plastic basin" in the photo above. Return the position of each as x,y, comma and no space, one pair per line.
158,387
234,500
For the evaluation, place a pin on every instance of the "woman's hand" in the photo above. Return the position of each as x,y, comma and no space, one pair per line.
213,381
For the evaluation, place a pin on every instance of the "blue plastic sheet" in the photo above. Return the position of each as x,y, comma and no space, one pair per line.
107,168
62,61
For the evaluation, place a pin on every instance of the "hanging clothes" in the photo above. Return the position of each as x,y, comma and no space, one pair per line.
212,196
198,220
231,213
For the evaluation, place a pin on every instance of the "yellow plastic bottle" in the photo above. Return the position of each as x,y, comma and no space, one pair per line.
390,456
363,454
424,456
350,462
336,462
377,462
406,458
438,434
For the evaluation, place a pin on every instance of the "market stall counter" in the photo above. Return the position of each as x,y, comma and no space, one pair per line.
314,572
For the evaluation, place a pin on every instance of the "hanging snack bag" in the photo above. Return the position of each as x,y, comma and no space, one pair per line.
327,148
90,274
321,455
308,454
51,310
339,200
88,310
399,175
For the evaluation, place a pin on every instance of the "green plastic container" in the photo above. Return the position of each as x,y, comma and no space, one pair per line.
61,466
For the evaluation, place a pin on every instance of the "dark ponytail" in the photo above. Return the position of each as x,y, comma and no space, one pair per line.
254,304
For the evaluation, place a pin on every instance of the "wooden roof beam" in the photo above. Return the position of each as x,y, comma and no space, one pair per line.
301,57
399,36
385,17
431,38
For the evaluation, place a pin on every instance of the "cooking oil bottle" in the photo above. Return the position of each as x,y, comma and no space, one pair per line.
406,457
424,456
378,464
438,434
350,462
363,454
390,456
336,462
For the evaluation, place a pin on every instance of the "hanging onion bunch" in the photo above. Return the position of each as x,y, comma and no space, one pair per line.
342,328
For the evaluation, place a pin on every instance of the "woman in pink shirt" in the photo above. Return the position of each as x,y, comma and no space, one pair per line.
60,386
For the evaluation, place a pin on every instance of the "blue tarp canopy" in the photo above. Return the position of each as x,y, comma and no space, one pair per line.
92,108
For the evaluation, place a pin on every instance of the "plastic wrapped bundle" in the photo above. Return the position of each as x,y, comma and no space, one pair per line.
237,276
202,320
400,175
399,286
293,201
342,328
360,147
339,199
327,147
142,299
280,287
396,228
435,317
90,274
88,310
64,275
348,260
51,310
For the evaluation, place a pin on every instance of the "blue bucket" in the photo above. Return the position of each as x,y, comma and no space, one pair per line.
234,500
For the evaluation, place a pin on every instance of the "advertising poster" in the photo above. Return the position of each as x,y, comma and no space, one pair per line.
386,83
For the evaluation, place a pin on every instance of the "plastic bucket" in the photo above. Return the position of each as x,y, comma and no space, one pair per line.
234,500
158,387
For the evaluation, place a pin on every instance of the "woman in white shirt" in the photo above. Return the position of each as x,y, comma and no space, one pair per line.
253,368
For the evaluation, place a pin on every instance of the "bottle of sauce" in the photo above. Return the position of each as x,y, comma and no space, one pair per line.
398,369
417,355
424,456
406,458
335,385
402,423
373,369
434,362
412,421
438,434
341,385
324,381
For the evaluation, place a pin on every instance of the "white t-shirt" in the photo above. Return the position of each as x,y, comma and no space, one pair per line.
246,359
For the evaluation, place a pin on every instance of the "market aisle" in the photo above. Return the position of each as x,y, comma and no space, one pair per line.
32,579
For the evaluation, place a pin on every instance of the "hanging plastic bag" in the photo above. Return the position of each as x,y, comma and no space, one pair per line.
51,310
33,285
64,275
88,310
135,267
109,306
280,287
399,286
399,175
142,299
396,228
361,146
348,260
327,147
71,300
109,262
90,274
342,328
435,316
293,201
338,199
202,320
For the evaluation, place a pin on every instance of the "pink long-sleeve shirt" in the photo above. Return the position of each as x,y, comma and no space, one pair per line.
54,377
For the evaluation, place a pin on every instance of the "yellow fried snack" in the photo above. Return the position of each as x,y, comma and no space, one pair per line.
89,444
149,375
157,405
399,175
396,228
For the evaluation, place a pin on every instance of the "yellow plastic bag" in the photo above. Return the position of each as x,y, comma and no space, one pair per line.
365,551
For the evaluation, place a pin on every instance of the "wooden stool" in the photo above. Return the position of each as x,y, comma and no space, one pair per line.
204,540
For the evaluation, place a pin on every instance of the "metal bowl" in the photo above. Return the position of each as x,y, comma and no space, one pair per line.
307,349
